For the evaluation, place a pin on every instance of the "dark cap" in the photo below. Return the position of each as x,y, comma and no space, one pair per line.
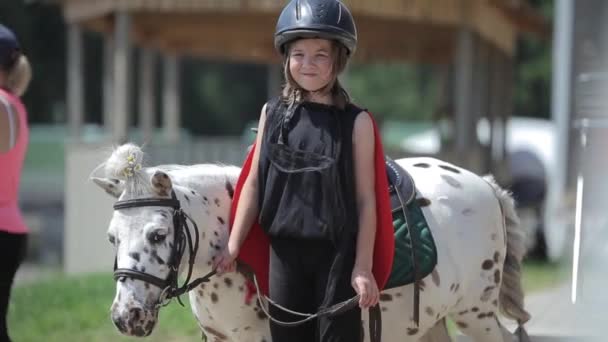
9,47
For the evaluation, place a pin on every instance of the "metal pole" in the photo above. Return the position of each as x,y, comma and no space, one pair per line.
584,125
561,107
576,248
560,111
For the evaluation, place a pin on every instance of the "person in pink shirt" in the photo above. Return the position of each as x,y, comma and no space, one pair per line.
15,75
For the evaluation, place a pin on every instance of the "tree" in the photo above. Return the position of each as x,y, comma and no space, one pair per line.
394,91
533,70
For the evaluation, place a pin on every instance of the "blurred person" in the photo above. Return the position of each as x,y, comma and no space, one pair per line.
15,75
529,187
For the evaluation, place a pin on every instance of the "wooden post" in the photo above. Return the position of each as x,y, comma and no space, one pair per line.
171,107
275,80
444,113
507,108
108,79
122,60
496,98
147,76
502,107
492,79
75,75
478,104
483,101
463,94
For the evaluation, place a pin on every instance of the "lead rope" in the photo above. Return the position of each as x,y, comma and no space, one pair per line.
375,322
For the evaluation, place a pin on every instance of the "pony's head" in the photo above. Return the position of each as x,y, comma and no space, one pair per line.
144,238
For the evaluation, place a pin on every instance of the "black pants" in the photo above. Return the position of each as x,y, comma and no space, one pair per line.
12,252
298,277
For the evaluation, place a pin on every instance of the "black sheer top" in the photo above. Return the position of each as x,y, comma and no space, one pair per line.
306,178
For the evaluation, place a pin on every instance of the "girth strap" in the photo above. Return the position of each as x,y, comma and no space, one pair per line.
414,241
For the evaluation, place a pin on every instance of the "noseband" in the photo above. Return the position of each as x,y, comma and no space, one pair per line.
170,286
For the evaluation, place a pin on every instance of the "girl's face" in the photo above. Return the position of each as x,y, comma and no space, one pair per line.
311,63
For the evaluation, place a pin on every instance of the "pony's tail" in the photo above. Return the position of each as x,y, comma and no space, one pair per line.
511,296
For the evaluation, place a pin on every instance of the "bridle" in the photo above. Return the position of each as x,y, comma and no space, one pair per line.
170,287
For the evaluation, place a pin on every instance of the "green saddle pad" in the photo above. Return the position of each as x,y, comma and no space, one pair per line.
426,253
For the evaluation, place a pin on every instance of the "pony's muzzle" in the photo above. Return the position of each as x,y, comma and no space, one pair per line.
133,320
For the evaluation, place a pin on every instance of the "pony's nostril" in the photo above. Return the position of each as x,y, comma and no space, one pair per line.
135,314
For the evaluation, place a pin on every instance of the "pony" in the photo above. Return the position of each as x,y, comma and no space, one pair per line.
479,243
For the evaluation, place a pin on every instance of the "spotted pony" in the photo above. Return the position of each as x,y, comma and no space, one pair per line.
479,247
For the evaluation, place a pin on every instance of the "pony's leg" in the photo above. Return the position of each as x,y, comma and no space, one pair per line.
483,326
438,333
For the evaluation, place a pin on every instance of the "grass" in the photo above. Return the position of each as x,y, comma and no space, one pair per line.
539,275
77,309
61,308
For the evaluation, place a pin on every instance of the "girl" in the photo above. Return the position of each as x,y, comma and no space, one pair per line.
15,74
310,180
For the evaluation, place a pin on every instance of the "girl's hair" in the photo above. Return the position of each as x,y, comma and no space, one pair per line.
18,76
293,93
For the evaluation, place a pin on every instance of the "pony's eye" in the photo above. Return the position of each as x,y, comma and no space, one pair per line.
111,238
157,237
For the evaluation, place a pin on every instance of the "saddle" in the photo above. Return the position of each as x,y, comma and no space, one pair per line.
400,185
415,252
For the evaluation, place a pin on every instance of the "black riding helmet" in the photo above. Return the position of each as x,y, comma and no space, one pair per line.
327,19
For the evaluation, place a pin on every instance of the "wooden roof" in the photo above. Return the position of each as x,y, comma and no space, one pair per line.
242,30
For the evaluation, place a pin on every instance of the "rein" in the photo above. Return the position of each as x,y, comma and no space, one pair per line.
375,317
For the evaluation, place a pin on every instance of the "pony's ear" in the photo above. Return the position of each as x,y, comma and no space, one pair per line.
161,183
114,187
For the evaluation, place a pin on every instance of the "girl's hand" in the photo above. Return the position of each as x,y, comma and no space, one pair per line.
364,283
225,261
